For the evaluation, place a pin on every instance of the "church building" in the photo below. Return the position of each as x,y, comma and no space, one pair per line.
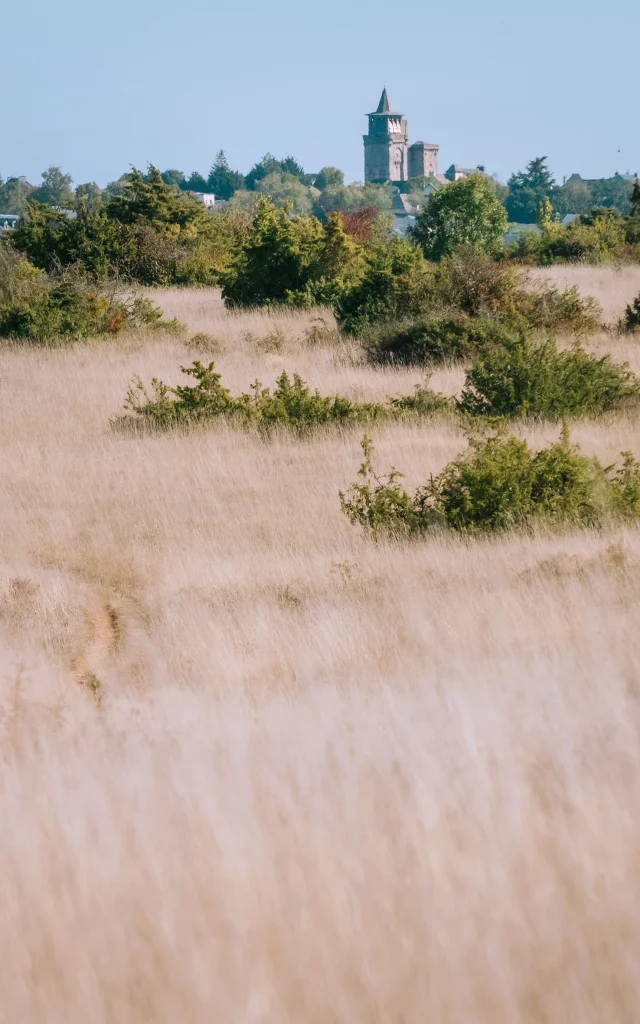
387,153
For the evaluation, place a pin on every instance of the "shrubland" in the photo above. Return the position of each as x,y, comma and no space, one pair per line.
46,308
256,759
498,483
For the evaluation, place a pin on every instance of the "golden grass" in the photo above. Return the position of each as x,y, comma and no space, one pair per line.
256,767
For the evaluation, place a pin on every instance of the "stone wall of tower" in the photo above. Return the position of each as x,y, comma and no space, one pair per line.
386,149
423,159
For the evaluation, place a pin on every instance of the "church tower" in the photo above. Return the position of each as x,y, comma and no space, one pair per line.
386,145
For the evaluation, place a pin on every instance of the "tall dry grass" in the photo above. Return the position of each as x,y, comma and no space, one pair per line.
256,767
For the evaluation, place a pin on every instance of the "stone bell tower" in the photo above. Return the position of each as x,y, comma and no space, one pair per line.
386,145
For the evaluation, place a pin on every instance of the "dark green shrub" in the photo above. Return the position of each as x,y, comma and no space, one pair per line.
291,403
525,378
68,314
631,320
497,483
292,261
396,284
435,338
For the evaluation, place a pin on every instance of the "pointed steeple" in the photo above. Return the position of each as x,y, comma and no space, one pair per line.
384,106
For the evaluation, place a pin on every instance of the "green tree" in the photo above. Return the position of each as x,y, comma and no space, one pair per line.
292,260
173,177
222,181
329,176
394,284
88,196
194,183
635,199
463,213
55,189
274,264
285,189
14,195
268,165
527,189
291,166
156,204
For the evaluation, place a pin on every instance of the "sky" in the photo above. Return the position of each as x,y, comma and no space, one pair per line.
97,89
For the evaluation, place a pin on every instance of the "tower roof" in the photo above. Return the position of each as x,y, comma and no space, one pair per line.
384,106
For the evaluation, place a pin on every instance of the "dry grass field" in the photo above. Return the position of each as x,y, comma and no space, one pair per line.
257,767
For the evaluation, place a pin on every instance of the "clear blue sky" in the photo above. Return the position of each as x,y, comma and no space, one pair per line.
98,87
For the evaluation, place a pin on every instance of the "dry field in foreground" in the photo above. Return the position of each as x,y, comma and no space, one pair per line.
259,768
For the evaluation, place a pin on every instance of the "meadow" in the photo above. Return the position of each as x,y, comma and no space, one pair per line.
259,767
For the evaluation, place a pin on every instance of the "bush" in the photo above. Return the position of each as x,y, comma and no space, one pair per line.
599,237
631,320
497,483
525,378
66,313
395,283
453,304
291,403
434,338
291,261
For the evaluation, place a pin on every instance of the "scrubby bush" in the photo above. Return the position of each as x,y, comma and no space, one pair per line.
415,311
435,338
497,483
291,403
601,236
631,320
479,286
65,313
291,261
396,283
522,377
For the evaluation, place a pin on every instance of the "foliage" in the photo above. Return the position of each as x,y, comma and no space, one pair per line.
598,237
88,197
269,165
466,212
527,190
631,320
285,190
434,338
173,177
151,201
497,483
55,189
523,378
291,260
329,176
222,181
291,403
349,198
14,195
394,284
20,281
65,312
635,199
194,183
446,311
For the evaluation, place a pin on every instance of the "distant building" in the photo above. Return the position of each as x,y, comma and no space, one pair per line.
206,198
455,172
387,153
8,222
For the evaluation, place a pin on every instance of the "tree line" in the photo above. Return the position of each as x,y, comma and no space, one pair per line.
324,192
